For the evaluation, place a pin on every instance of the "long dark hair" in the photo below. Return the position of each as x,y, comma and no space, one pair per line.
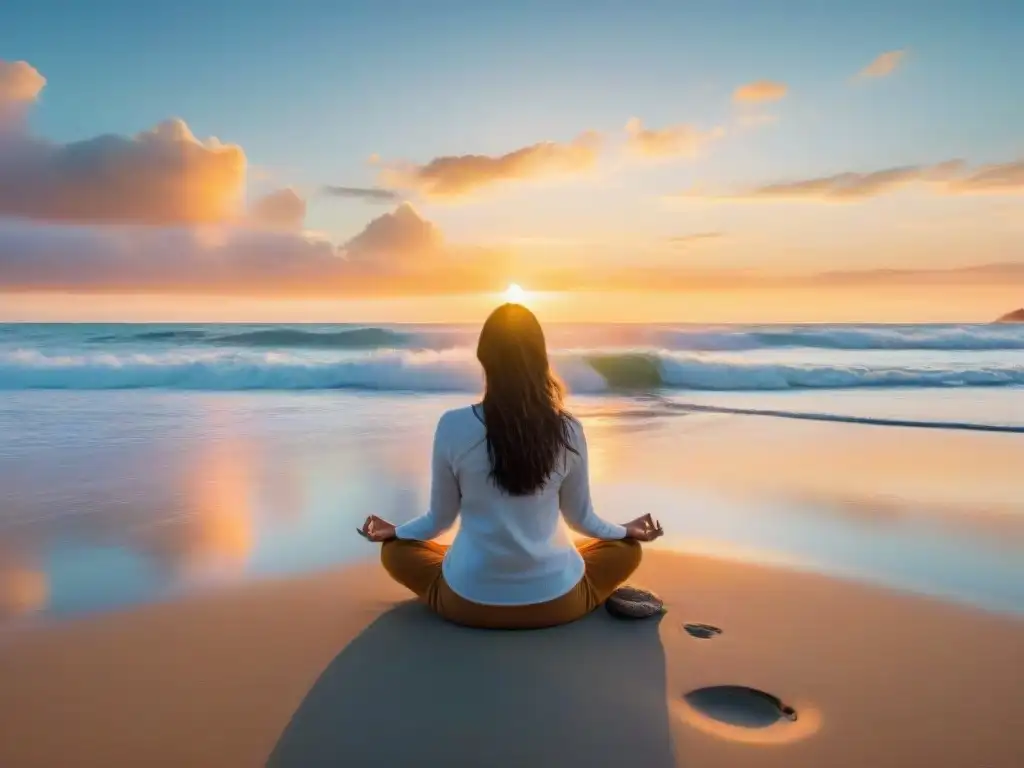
528,429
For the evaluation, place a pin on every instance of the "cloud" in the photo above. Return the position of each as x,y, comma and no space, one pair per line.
20,82
883,65
20,86
397,253
997,177
161,176
162,212
401,234
283,209
759,92
852,186
459,176
120,258
952,177
369,194
680,140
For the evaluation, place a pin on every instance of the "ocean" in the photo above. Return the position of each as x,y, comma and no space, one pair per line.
591,358
138,462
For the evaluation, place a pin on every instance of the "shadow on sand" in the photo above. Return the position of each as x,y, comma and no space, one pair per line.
412,690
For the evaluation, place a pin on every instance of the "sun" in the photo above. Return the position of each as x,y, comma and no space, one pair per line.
515,294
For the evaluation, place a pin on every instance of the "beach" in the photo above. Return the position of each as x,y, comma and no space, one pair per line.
279,282
181,582
339,669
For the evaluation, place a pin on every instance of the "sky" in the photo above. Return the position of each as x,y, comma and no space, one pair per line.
399,161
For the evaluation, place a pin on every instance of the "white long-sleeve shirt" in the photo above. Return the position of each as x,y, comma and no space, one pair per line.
509,550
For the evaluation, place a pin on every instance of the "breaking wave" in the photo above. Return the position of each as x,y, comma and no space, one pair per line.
456,370
296,338
897,337
678,339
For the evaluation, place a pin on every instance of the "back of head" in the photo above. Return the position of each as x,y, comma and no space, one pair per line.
528,429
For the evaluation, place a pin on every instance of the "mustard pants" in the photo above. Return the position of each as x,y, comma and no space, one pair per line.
417,565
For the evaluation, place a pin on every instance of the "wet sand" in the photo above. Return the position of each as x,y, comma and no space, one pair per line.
339,669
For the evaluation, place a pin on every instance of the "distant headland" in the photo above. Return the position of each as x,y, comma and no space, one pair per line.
1017,316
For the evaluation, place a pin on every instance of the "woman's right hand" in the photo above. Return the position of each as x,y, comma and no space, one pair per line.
644,528
377,529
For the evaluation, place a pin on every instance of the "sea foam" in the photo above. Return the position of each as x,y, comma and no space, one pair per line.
456,370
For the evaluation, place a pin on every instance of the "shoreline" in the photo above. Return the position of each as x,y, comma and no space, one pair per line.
257,485
880,678
718,552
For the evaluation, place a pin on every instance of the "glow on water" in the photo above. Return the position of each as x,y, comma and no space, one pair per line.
111,501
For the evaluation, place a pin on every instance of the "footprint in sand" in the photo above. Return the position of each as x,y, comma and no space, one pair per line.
739,705
745,715
702,631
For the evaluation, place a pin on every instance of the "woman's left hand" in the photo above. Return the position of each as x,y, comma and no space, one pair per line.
377,529
644,528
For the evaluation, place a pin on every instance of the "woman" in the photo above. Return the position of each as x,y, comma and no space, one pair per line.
508,466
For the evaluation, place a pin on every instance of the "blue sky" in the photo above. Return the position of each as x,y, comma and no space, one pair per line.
310,90
316,87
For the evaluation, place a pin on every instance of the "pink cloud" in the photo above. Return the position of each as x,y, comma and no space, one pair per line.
283,209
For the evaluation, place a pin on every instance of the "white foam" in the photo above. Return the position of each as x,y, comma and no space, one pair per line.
391,370
923,337
689,372
450,370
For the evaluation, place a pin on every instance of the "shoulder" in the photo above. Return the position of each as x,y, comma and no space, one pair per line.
460,422
458,431
577,437
574,424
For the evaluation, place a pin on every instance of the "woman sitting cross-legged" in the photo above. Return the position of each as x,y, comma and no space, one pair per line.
508,467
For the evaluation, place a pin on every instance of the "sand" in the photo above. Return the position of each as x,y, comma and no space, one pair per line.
339,669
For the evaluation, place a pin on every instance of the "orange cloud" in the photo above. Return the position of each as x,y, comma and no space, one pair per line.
760,91
283,209
20,85
953,177
459,176
19,82
680,140
883,65
161,212
161,176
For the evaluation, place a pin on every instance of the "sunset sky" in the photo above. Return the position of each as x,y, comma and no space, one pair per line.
400,161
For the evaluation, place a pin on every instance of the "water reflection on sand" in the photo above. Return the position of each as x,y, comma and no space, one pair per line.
112,500
24,587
